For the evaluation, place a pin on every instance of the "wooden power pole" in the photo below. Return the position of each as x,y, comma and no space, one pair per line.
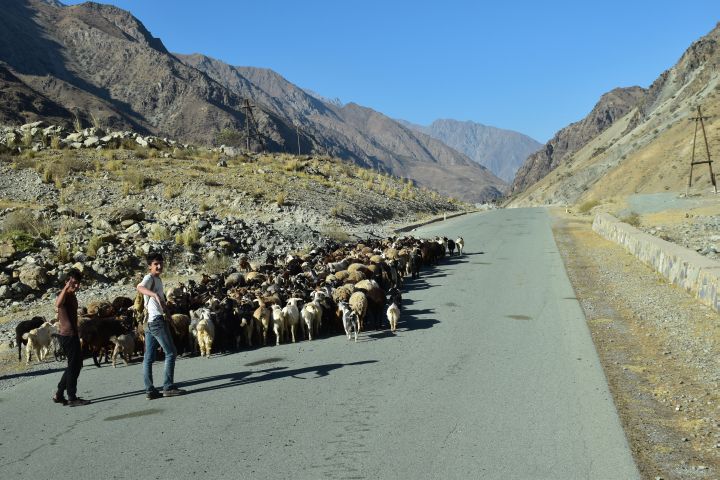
700,120
251,128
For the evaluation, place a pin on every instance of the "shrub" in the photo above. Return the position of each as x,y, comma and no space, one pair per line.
93,245
159,233
215,264
24,221
171,191
190,236
585,207
631,219
135,180
292,165
62,254
280,199
22,241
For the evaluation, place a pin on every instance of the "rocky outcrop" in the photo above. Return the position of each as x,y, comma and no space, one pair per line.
611,107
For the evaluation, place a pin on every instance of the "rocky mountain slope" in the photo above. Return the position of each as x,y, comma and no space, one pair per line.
99,63
351,131
501,151
635,141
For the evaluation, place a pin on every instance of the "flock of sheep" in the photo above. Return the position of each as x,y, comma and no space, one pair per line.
335,290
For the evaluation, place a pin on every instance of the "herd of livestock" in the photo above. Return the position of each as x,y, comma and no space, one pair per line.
339,289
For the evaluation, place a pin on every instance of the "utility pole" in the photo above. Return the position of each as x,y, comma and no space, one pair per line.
297,130
251,129
700,120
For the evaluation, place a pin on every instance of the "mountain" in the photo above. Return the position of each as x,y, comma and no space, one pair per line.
502,151
359,133
101,64
634,141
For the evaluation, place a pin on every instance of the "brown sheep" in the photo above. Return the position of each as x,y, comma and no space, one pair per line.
359,304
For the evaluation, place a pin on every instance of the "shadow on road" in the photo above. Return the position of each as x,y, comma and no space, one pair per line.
32,373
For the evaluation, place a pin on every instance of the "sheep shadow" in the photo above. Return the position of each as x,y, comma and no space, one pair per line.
276,373
32,373
409,319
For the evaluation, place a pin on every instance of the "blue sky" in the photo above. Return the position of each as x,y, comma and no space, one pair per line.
528,66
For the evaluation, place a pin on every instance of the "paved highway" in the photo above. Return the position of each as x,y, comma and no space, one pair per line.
492,374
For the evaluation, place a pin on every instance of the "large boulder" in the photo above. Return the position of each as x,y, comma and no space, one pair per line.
34,276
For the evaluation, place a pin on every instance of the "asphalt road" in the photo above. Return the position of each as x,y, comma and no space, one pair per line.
492,374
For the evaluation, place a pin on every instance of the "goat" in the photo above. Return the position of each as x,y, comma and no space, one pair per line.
292,316
39,340
393,315
359,304
24,327
279,323
263,317
124,346
460,244
351,322
312,315
205,331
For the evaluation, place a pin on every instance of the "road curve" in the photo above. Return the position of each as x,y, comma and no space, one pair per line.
491,375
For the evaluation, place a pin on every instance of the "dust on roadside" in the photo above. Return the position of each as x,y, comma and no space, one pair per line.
659,349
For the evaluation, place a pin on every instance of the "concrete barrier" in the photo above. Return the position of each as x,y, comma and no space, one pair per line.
685,268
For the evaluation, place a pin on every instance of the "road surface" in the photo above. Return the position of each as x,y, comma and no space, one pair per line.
492,374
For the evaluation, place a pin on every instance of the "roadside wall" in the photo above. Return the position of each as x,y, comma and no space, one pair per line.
685,268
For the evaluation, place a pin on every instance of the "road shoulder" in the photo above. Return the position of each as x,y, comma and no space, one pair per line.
659,350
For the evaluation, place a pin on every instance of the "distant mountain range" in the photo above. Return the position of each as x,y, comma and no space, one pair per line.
99,63
502,151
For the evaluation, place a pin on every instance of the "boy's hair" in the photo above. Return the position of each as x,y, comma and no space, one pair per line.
153,256
75,273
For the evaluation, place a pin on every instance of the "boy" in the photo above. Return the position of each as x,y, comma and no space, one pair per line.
157,331
66,305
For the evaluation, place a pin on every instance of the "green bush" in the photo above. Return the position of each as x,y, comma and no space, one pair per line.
93,245
21,241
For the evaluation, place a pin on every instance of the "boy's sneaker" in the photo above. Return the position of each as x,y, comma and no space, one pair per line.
152,395
173,392
78,402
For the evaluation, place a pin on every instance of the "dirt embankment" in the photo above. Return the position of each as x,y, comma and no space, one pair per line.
659,349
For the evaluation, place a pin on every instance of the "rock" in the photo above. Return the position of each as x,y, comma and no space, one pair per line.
222,163
34,276
141,141
91,142
65,211
76,145
134,228
5,292
120,214
202,225
79,257
4,279
30,126
102,224
127,223
7,250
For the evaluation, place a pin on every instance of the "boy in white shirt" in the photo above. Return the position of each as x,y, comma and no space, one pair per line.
157,331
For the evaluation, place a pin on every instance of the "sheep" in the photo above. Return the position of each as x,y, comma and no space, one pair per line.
312,316
460,244
393,314
450,246
24,327
350,318
279,323
124,346
205,333
359,303
292,316
39,340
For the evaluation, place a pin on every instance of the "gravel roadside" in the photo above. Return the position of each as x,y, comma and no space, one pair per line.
659,349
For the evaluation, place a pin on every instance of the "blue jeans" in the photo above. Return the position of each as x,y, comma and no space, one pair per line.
157,333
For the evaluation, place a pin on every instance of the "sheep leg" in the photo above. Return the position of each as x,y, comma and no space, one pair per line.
116,350
292,333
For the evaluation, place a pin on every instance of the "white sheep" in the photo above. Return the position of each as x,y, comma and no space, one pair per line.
393,315
263,317
460,244
351,322
124,346
39,340
279,323
292,316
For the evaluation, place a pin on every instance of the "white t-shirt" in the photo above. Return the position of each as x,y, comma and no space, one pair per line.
151,305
